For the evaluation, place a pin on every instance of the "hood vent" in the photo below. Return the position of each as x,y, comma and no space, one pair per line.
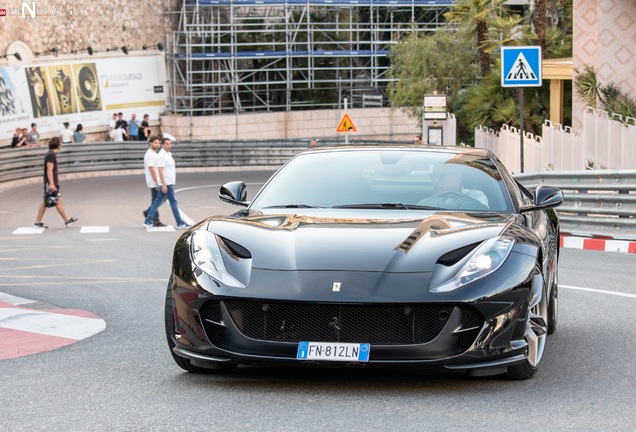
409,241
453,257
433,223
234,249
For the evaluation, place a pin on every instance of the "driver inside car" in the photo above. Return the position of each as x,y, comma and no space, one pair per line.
449,190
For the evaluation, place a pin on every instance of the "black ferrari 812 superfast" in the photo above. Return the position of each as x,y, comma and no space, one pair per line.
372,256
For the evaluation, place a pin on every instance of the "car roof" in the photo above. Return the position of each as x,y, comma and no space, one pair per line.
405,147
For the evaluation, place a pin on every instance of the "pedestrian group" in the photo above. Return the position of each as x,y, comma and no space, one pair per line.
159,167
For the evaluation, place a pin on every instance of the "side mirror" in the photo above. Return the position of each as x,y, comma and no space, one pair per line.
545,197
234,193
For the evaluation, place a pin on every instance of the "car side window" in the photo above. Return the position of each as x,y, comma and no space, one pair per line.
520,194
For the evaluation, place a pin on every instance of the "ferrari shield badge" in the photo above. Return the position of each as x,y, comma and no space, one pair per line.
335,287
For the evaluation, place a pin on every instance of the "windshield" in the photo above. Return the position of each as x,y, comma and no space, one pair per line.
386,179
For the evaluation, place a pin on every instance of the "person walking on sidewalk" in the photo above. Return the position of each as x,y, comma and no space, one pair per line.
152,176
167,179
52,185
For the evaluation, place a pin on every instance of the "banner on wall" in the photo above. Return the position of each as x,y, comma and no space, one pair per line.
80,92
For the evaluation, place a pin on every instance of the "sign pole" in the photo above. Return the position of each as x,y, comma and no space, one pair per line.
345,110
521,67
521,119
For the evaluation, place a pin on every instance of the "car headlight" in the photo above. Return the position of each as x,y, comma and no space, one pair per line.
486,259
206,255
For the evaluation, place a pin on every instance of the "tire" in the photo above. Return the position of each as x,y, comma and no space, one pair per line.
184,363
536,334
520,372
553,306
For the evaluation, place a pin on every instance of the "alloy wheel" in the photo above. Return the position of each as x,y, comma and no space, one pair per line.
537,330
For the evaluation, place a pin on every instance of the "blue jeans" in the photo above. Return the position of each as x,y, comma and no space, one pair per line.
153,196
160,199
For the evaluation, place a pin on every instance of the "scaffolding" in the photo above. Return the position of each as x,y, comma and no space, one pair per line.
232,56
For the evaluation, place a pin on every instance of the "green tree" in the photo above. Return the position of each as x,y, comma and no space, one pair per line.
507,31
560,14
610,96
489,104
422,64
479,101
477,15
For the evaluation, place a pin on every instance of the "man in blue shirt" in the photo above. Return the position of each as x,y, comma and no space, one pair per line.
133,128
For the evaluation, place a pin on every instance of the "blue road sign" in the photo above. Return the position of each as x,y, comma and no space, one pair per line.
521,66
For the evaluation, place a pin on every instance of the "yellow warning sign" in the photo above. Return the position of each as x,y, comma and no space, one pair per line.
346,125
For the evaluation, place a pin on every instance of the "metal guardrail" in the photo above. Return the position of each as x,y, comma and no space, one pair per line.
20,164
107,157
596,203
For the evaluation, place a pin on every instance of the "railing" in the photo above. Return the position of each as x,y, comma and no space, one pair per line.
106,157
597,203
606,142
609,140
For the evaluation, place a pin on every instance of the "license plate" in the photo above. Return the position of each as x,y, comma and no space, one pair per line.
333,351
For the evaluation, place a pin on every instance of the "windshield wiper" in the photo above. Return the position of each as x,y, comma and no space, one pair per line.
292,206
387,205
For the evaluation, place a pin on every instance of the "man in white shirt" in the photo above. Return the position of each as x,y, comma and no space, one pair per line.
66,134
152,177
111,126
449,191
167,180
118,133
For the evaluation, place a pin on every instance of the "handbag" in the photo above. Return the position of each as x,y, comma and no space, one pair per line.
50,197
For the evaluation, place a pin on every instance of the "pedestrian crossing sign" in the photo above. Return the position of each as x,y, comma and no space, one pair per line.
346,125
521,66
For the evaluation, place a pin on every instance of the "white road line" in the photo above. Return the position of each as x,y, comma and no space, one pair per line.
72,263
615,293
176,191
17,301
50,323
28,230
168,228
100,278
185,217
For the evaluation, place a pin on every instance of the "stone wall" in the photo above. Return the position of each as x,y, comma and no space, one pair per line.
71,25
605,37
381,123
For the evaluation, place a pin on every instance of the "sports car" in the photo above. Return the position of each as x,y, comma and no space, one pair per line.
372,256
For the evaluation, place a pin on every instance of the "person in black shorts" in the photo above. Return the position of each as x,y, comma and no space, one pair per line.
52,185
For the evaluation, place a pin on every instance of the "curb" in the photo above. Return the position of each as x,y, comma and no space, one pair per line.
30,327
598,244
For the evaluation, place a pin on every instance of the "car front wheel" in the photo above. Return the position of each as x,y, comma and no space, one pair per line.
536,335
553,305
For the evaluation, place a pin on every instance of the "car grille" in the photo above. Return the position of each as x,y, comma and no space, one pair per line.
380,325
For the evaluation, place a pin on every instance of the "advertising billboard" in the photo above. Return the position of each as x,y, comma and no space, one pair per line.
80,92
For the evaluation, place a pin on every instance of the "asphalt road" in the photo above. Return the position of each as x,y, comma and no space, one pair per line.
124,378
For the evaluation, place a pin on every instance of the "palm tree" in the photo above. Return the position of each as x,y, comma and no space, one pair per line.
508,31
560,13
478,14
541,23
